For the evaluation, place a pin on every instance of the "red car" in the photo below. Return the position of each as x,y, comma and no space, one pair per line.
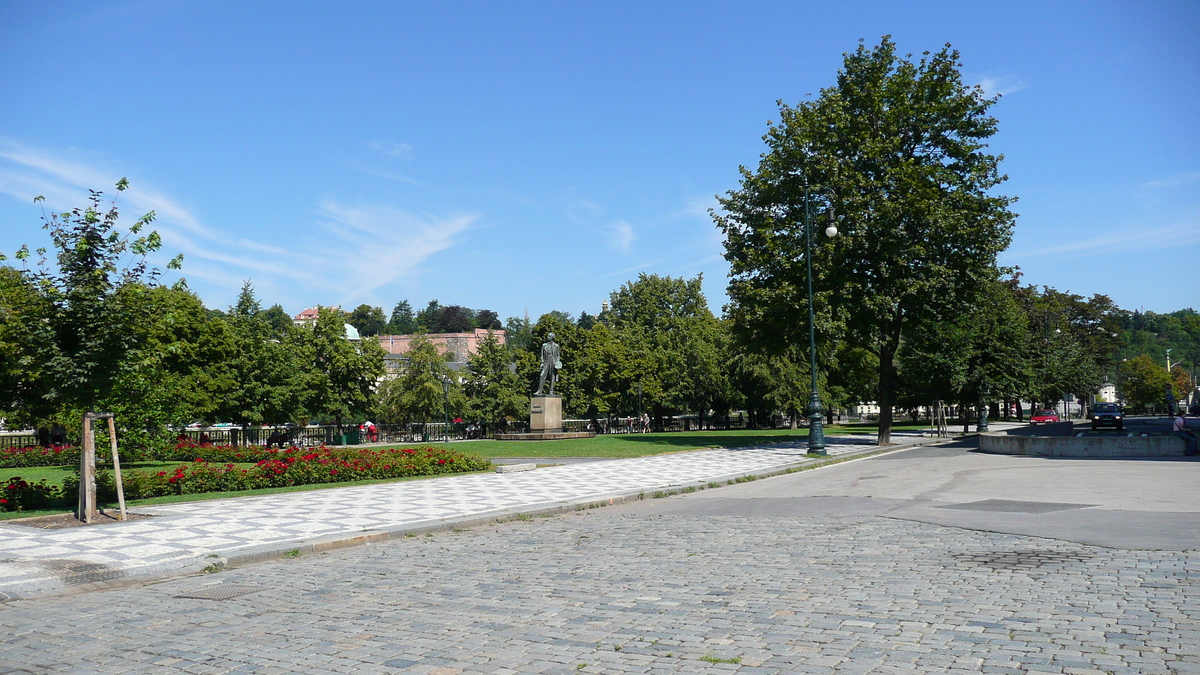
1044,417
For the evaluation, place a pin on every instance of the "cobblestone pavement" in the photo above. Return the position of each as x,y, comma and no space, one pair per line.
623,590
184,537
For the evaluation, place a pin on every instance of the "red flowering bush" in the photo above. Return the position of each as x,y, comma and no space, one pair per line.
293,466
34,455
21,495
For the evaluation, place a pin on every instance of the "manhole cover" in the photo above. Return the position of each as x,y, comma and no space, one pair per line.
222,592
1009,506
1021,559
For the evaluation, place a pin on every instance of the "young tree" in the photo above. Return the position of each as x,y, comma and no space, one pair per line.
1144,382
93,309
896,149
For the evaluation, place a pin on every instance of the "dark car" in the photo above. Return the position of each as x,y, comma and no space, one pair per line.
1107,414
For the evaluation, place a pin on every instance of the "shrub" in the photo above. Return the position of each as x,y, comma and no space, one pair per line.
21,495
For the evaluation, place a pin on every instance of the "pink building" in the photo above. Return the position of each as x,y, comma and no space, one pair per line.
461,345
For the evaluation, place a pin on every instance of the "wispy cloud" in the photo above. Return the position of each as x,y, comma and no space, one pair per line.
348,252
621,237
1174,181
375,245
392,149
1001,85
1123,240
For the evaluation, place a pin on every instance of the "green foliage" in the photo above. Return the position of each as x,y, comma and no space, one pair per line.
896,148
1143,382
22,495
492,388
368,320
347,371
418,393
678,348
403,321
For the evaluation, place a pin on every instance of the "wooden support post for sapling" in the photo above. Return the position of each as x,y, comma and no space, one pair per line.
112,435
87,473
88,508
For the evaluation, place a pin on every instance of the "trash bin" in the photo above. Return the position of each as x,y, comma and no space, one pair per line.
348,437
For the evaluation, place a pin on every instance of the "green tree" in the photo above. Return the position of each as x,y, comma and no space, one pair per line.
368,320
26,347
491,385
94,304
417,394
668,321
427,319
896,148
1144,382
403,321
455,319
347,371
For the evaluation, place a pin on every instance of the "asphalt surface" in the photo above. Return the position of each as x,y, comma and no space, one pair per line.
879,565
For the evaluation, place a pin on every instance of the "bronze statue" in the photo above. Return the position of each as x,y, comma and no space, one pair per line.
551,364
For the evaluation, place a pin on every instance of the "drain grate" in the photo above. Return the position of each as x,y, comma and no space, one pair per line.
1027,559
1010,506
222,592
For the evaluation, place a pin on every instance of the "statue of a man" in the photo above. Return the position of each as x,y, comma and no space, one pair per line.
551,364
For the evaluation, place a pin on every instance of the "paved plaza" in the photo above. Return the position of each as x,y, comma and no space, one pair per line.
918,561
190,536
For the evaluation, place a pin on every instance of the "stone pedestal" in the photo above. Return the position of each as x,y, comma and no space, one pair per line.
545,414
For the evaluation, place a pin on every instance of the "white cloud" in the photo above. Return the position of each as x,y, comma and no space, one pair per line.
350,251
392,149
621,237
1001,85
1174,181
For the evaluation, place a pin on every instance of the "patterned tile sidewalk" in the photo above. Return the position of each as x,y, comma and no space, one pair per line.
186,537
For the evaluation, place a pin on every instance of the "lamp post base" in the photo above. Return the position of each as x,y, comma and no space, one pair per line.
816,432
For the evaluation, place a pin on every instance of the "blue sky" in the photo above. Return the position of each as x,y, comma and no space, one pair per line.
525,157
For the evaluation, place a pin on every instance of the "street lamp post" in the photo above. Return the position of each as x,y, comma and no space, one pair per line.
639,419
983,411
816,433
446,404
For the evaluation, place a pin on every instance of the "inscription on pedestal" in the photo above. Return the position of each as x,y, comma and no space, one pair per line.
545,414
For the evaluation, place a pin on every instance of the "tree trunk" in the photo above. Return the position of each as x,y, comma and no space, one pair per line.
887,371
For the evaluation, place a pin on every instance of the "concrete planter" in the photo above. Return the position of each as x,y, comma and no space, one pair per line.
1086,446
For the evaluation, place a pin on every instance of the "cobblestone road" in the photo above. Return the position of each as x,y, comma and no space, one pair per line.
622,590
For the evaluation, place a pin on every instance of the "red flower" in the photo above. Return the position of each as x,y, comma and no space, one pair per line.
162,473
333,472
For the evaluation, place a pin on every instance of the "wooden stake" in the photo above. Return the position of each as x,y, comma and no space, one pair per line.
112,435
87,473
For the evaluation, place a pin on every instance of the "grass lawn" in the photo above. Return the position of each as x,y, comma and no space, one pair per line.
624,445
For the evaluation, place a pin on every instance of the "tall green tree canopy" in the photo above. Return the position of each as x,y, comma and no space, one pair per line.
94,303
897,150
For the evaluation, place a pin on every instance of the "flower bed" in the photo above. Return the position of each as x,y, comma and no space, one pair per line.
21,495
281,468
55,455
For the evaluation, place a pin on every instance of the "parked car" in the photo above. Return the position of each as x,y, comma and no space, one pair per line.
1107,414
1043,417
